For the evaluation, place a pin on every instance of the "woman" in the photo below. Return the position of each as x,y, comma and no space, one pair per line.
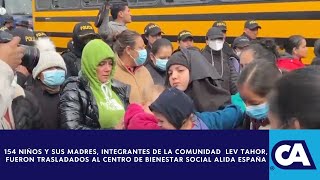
255,82
94,100
131,55
189,71
264,49
296,49
294,103
175,110
49,74
159,55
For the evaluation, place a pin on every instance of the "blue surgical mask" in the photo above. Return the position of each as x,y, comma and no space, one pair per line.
258,112
141,59
161,64
54,77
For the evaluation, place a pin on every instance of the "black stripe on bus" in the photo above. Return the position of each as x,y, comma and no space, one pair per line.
311,15
197,39
61,49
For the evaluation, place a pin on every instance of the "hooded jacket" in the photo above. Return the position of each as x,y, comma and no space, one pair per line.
288,63
204,87
85,102
220,61
139,81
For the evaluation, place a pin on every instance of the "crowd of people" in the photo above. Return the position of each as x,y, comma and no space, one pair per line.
117,78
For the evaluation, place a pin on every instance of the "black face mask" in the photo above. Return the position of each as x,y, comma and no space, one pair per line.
83,41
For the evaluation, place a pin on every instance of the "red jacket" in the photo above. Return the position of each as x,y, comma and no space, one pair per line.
136,119
289,64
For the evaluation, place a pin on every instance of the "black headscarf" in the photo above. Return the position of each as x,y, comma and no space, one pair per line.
175,105
204,87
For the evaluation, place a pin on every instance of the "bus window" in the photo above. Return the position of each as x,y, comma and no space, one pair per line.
63,4
92,3
133,3
43,4
24,8
182,2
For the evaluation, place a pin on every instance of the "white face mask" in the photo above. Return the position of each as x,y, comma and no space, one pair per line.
216,45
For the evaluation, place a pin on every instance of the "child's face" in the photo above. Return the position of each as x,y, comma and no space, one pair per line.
163,122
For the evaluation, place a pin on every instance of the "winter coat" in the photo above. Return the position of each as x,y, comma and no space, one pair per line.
139,80
78,108
137,118
48,104
288,63
26,110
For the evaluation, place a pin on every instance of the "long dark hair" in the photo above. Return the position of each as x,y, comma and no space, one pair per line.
124,39
293,42
264,49
260,75
296,96
160,43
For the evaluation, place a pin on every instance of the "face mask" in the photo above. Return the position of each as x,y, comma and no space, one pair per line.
258,112
54,77
141,59
216,45
161,64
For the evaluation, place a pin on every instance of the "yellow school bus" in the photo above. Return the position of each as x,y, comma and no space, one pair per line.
279,18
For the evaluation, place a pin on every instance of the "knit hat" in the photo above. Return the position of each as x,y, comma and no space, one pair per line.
48,57
175,105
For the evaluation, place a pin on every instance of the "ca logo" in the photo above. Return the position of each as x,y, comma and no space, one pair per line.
292,155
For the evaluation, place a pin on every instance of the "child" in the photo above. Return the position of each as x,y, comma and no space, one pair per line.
139,116
175,110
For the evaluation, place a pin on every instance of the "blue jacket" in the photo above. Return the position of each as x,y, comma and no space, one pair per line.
228,118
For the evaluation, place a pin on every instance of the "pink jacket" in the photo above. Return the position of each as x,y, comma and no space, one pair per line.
136,118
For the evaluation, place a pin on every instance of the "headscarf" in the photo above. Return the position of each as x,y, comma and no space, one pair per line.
204,87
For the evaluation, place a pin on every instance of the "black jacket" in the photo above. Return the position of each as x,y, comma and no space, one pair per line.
228,73
23,80
228,50
48,104
72,57
78,109
26,111
157,75
245,35
73,62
